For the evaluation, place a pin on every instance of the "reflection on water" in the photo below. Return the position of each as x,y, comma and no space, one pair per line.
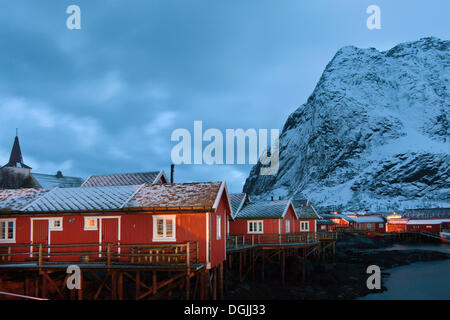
421,280
442,247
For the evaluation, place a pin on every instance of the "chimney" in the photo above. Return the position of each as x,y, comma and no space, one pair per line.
172,169
271,198
279,198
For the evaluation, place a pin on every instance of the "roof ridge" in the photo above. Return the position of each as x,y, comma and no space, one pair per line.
132,195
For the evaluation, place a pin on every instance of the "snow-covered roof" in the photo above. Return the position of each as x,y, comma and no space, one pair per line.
17,199
204,195
304,210
178,195
428,221
124,179
336,216
369,219
264,209
49,181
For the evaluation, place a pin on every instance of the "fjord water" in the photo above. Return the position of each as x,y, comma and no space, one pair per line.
420,280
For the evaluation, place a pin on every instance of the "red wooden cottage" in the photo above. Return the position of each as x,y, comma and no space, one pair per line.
427,225
264,217
119,215
396,225
307,216
368,222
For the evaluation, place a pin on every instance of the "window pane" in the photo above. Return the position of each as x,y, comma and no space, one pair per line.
259,226
250,226
10,230
160,228
2,230
169,228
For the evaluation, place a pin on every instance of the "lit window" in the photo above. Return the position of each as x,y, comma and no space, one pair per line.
304,226
7,230
255,226
219,227
163,228
90,223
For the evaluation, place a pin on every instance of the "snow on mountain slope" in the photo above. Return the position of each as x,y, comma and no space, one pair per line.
374,134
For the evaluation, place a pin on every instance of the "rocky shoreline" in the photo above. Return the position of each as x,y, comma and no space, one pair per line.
344,279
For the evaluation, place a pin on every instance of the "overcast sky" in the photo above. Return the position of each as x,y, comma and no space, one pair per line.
106,98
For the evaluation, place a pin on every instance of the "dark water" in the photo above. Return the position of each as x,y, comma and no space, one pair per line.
421,280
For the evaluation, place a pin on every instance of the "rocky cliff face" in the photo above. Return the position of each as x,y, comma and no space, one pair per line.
374,134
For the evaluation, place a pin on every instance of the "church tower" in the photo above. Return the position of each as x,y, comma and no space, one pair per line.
15,174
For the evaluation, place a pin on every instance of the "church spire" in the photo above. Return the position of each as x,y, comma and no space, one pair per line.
16,159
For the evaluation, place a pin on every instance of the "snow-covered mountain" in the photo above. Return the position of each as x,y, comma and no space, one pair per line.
374,134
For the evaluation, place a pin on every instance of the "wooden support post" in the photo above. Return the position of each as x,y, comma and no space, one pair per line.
304,265
114,285
154,282
26,290
220,279
36,286
44,283
80,291
187,287
138,284
253,265
240,266
262,265
334,252
202,285
120,286
283,258
214,284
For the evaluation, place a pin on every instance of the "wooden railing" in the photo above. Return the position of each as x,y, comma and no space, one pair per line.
184,254
236,241
327,236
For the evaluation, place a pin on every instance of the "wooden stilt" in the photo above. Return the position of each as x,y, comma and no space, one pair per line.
304,266
253,265
44,283
187,287
214,284
283,259
120,286
220,279
202,285
114,285
240,266
154,282
80,291
262,265
138,284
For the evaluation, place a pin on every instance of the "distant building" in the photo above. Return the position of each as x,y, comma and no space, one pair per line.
16,174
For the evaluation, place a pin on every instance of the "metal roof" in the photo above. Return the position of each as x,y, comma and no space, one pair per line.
124,179
369,219
82,199
237,201
49,181
264,209
428,221
325,222
305,210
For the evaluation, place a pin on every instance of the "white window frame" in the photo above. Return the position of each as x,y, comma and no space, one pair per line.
304,226
380,225
155,228
257,224
219,227
288,226
7,221
52,226
86,224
